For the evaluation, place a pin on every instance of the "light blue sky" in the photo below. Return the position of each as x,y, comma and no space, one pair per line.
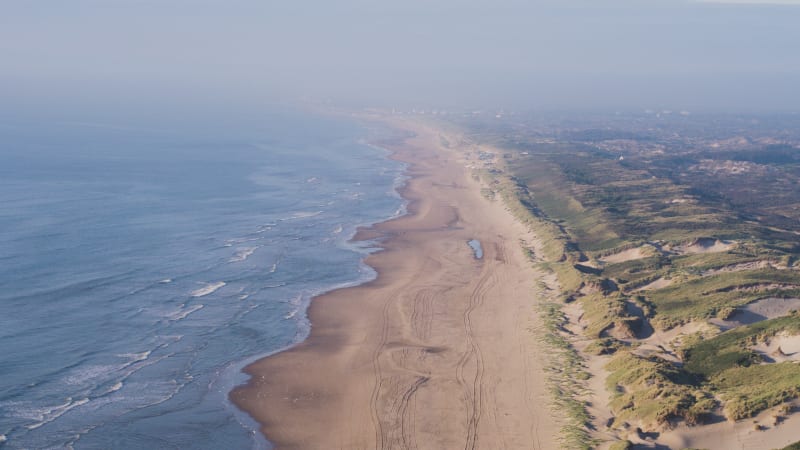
714,55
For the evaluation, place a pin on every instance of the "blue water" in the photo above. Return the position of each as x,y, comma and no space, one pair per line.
475,245
142,266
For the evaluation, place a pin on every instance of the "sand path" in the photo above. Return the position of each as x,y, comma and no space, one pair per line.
437,352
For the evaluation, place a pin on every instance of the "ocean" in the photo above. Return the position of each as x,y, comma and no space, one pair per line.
144,263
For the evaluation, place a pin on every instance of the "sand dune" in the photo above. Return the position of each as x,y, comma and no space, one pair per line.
625,255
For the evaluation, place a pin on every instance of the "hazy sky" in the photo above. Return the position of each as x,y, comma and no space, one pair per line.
679,54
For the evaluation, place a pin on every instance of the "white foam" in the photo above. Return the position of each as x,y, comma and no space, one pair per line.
266,228
54,413
242,254
183,313
111,376
273,268
3,438
91,374
166,280
304,215
136,357
150,393
77,437
117,386
234,241
209,288
244,296
338,230
132,368
49,409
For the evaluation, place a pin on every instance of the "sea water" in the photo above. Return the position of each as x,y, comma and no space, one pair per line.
477,250
143,266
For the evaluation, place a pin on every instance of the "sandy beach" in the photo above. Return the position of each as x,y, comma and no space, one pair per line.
438,351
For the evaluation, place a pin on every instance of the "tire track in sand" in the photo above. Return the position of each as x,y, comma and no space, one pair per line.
378,374
474,387
382,439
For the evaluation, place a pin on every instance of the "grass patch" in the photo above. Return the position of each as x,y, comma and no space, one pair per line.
653,392
706,261
776,383
730,368
569,278
731,349
704,297
566,371
638,272
601,312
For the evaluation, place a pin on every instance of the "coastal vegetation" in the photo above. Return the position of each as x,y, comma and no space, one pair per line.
686,272
564,364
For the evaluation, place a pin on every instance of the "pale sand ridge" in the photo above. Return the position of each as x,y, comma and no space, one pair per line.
438,352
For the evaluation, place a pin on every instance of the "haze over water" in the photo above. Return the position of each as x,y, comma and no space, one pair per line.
143,265
716,56
161,223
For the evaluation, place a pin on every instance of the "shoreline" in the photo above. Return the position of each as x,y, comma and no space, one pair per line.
381,366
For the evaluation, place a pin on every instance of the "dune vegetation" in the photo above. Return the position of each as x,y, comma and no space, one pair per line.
666,253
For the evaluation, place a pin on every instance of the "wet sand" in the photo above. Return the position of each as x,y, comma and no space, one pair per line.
438,351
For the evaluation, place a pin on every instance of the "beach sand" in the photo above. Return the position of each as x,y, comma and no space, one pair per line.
438,352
